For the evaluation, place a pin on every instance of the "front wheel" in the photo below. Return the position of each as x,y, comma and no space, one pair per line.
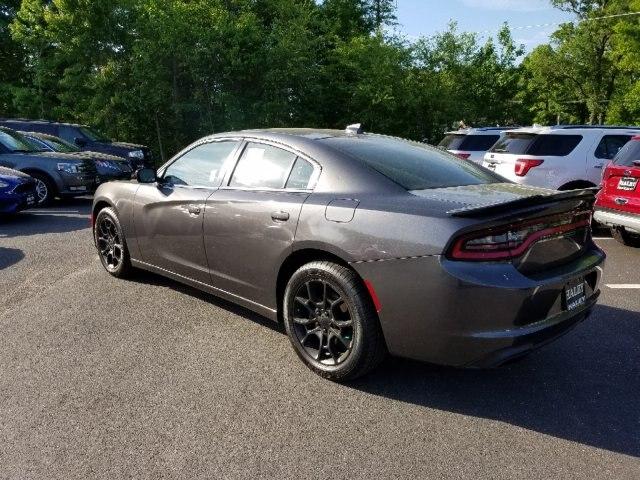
111,244
624,237
331,321
45,189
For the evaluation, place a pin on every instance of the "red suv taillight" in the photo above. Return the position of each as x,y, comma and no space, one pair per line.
511,241
523,165
463,156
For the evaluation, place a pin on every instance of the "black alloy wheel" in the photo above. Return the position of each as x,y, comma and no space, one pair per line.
111,243
331,321
322,322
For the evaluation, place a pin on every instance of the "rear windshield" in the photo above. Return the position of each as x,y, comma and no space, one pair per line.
627,154
534,144
414,166
471,143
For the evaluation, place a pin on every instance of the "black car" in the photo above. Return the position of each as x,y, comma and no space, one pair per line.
86,138
109,167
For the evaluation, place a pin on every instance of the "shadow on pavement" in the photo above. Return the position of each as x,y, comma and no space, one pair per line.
63,216
10,256
584,388
149,278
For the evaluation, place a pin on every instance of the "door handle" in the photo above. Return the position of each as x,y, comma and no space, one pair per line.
598,166
280,216
194,210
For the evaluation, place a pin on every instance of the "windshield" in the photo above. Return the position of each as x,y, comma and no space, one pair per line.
414,166
94,135
16,143
470,143
60,145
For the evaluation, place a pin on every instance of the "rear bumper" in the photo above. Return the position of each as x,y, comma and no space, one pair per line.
614,218
475,314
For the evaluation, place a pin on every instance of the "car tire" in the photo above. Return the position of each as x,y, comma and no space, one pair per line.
45,189
625,238
331,321
111,244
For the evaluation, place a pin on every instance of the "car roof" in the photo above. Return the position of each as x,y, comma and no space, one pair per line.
573,129
480,130
39,122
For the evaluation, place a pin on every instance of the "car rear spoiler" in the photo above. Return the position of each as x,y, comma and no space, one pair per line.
586,195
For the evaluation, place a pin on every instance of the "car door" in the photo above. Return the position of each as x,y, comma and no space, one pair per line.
250,222
169,214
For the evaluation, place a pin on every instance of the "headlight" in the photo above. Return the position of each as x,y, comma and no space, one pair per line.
68,167
4,185
139,154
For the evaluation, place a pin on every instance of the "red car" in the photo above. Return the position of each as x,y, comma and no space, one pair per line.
618,202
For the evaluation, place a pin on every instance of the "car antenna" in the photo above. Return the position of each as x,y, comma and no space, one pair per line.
356,128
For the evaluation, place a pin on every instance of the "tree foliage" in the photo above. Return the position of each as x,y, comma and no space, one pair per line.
164,72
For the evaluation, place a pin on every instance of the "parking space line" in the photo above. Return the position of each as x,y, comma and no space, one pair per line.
628,286
602,238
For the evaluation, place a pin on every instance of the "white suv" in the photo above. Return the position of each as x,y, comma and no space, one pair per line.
472,143
561,157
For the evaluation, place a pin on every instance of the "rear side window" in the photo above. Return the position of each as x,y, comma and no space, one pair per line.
610,145
533,144
554,145
300,176
628,154
68,133
262,166
414,166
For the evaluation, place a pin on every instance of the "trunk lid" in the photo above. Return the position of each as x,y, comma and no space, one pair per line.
535,229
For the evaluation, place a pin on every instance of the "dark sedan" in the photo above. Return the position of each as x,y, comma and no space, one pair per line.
17,191
361,244
109,167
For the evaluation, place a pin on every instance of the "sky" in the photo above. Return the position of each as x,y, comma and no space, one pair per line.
426,17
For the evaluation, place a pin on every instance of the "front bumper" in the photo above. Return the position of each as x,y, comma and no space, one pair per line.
10,204
76,184
475,314
615,218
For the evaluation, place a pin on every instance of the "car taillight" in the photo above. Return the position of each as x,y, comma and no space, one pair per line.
463,156
511,241
523,165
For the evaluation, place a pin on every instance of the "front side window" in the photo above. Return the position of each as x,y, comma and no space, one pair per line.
262,166
610,145
201,165
414,166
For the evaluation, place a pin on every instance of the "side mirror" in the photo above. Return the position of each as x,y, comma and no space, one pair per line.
636,163
146,175
79,141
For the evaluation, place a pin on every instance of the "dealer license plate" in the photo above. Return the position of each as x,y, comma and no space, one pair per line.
627,183
575,294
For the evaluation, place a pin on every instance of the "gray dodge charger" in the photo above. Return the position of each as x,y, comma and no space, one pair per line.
361,244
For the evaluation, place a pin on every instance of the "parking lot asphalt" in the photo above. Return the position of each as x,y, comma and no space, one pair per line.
145,378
